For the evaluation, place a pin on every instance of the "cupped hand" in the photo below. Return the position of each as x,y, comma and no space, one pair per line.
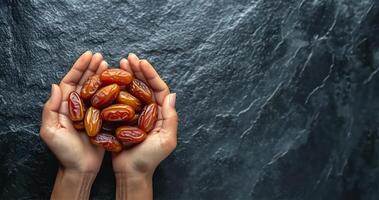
72,148
161,141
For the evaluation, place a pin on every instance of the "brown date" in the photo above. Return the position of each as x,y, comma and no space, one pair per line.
107,141
92,121
140,90
129,135
78,125
104,96
117,112
148,117
128,99
90,87
76,107
118,76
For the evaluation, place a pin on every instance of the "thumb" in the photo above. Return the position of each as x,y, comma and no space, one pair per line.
169,115
51,109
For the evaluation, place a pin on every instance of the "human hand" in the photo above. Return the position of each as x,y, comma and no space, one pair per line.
134,167
79,159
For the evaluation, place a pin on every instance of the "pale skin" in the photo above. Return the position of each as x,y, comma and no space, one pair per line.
80,161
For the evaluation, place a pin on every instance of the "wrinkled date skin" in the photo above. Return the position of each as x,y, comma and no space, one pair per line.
107,141
128,99
104,96
117,112
78,125
148,117
76,107
140,90
129,135
90,87
92,121
118,76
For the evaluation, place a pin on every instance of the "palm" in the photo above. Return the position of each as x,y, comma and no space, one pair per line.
72,148
145,156
77,151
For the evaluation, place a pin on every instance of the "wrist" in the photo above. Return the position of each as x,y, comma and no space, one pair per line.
72,184
133,186
136,171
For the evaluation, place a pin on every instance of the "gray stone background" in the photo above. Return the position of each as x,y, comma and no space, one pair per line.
278,99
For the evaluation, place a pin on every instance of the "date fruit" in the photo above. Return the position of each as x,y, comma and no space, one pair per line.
129,135
128,99
117,112
118,76
76,107
148,117
78,125
140,90
104,96
92,121
90,87
107,141
115,109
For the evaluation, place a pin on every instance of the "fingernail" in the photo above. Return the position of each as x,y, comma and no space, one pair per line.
98,54
133,55
105,63
172,100
52,90
88,52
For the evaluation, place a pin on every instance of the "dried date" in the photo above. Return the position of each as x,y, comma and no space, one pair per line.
128,99
148,117
119,76
140,90
107,141
117,112
76,107
90,87
104,96
129,135
92,121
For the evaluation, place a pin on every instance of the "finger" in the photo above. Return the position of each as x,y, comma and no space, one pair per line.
92,68
50,114
103,66
169,115
152,78
72,78
159,122
64,118
124,64
134,65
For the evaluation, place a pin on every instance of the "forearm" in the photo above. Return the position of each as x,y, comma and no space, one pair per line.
133,187
70,184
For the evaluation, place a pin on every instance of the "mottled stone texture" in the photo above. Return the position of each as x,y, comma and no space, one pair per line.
278,99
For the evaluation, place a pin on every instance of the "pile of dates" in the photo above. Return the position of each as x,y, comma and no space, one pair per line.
115,109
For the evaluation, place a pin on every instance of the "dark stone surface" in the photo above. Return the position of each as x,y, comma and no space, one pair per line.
277,99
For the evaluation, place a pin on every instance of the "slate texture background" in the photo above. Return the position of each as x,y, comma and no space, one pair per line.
278,99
